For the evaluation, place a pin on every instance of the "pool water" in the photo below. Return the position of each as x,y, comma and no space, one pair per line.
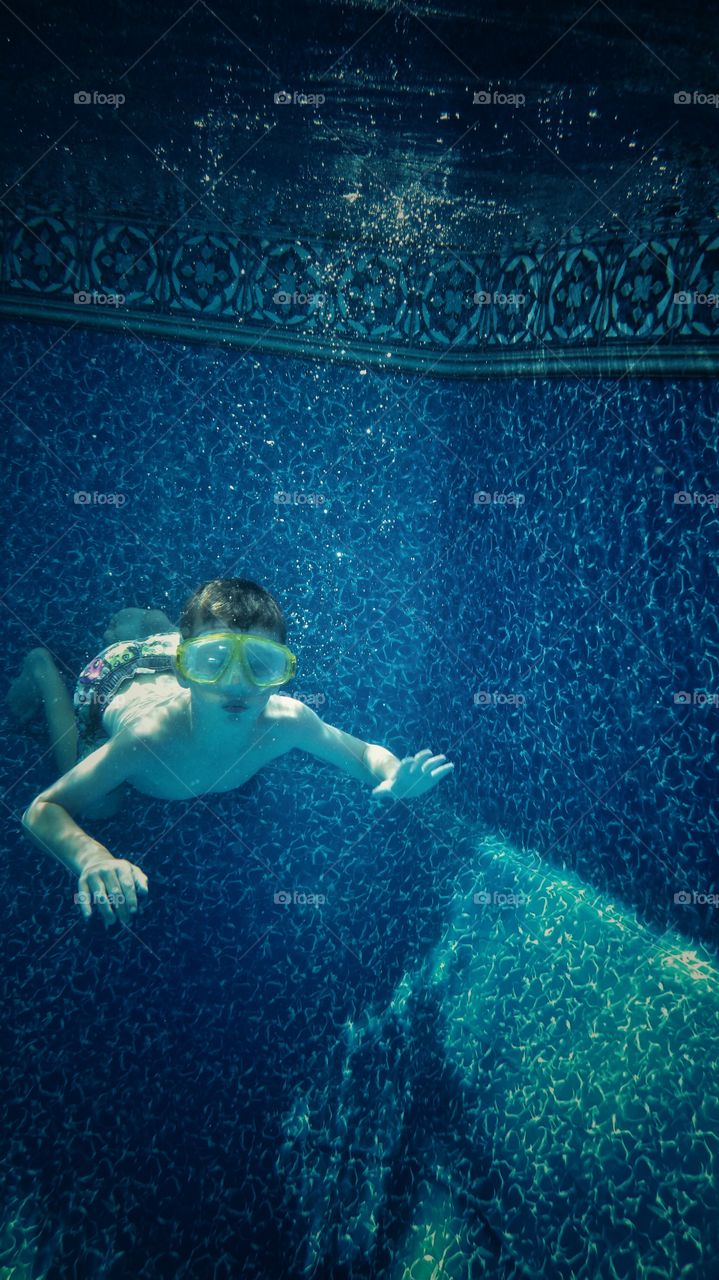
470,1036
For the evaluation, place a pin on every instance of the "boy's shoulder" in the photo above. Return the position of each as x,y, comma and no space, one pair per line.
290,715
283,707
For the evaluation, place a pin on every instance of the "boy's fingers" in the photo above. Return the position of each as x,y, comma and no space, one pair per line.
117,894
430,764
127,888
103,906
140,887
381,796
133,886
100,889
113,893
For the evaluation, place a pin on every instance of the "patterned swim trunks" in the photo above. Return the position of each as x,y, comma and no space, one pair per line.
100,680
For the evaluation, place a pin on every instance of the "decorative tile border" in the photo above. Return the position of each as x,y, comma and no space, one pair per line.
602,306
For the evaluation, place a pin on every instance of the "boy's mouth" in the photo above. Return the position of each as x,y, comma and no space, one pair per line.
234,706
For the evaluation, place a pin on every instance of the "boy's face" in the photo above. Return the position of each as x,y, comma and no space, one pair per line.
234,697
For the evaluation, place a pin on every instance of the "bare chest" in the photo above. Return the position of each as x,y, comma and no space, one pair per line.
178,770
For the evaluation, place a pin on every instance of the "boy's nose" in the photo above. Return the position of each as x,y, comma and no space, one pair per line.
234,680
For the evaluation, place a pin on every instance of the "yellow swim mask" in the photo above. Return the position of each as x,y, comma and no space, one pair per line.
205,659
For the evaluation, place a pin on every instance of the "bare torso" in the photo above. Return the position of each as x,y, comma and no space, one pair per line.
175,763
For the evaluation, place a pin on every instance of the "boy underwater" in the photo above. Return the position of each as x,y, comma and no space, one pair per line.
176,715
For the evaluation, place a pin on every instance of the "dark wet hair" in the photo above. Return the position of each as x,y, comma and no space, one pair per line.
233,602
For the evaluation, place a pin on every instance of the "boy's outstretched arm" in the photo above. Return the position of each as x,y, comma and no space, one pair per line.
389,777
49,822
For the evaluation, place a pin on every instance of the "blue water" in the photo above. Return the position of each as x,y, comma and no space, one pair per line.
238,1088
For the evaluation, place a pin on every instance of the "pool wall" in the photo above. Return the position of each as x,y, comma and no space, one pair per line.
606,303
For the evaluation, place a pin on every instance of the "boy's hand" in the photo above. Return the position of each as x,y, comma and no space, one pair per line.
416,775
108,882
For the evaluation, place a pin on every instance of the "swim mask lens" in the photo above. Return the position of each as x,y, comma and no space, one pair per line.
205,659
